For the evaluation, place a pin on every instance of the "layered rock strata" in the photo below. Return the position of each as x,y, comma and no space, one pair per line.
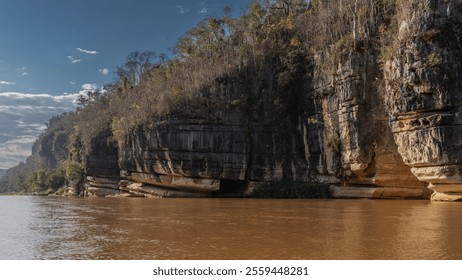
424,85
378,123
342,137
359,145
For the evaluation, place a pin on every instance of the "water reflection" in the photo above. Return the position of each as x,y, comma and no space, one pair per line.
60,228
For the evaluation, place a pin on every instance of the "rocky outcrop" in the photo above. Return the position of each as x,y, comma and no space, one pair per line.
379,122
101,167
424,82
341,136
51,147
190,157
359,145
226,153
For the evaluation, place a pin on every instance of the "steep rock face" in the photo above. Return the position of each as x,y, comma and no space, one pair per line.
423,91
51,148
370,131
231,154
101,167
187,157
341,136
359,145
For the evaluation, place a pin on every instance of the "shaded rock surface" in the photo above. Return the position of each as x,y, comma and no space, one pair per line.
101,168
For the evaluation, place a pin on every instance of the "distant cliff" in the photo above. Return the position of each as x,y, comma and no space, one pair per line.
363,98
44,172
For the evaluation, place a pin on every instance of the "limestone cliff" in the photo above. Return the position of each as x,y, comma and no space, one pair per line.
359,145
375,114
424,82
101,168
230,153
341,136
381,122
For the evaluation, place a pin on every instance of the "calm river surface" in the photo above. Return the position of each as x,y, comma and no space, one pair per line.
115,228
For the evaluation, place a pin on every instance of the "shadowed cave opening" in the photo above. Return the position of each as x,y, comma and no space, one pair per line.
231,188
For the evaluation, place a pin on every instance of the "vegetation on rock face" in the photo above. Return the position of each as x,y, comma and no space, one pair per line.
45,181
278,38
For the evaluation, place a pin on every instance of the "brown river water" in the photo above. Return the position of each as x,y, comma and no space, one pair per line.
121,228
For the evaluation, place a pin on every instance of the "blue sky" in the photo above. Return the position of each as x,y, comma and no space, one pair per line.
53,50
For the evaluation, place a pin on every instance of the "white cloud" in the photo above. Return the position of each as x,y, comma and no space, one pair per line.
23,117
15,150
183,10
22,71
43,99
73,60
72,83
7,83
203,10
86,51
104,71
89,87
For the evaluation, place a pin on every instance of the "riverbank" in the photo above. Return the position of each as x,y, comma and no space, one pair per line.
287,190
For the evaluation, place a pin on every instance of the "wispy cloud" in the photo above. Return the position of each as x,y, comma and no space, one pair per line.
86,51
73,60
15,150
23,117
15,98
104,71
89,87
202,10
22,71
183,10
7,83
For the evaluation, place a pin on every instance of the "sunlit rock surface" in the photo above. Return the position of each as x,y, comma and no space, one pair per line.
424,84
